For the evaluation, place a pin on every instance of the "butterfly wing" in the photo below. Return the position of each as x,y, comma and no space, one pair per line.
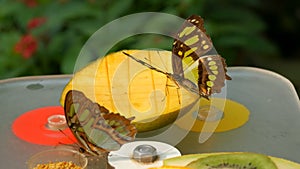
191,42
96,129
212,74
190,59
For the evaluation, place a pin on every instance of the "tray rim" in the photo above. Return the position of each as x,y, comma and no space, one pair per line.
230,68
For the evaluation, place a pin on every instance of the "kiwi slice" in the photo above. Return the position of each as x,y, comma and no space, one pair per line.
234,161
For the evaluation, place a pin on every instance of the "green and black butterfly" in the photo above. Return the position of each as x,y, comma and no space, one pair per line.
191,53
96,129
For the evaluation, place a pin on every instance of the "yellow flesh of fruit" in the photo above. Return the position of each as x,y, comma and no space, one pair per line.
124,86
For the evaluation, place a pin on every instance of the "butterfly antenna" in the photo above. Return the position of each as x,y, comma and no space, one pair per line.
167,80
169,75
73,141
162,61
146,64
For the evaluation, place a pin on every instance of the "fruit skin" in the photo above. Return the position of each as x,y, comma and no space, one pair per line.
234,160
186,159
285,164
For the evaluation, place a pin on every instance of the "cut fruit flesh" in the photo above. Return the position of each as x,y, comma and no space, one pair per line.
186,159
169,167
236,160
124,86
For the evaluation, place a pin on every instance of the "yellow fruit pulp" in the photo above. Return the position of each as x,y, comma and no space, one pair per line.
125,86
170,167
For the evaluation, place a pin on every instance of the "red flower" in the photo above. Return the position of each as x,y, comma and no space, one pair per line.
35,22
26,46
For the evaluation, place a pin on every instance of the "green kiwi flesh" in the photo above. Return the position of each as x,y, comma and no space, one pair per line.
234,161
188,158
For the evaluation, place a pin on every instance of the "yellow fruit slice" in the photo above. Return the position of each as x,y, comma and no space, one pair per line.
170,167
122,85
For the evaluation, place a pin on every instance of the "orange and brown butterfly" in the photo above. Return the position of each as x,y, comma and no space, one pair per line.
193,52
97,130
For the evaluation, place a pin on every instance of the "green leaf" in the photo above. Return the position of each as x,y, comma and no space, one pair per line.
86,26
57,45
9,8
247,43
69,58
217,29
118,8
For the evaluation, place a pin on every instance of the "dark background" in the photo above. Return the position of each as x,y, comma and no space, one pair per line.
39,37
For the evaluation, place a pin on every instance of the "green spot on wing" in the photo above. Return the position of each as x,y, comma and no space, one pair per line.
103,140
111,123
84,115
192,40
186,31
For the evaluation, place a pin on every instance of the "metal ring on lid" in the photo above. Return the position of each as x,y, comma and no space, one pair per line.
209,113
142,155
56,122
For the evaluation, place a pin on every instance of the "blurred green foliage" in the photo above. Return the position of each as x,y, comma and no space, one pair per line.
240,30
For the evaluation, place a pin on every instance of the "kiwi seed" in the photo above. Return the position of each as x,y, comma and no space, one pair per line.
234,161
